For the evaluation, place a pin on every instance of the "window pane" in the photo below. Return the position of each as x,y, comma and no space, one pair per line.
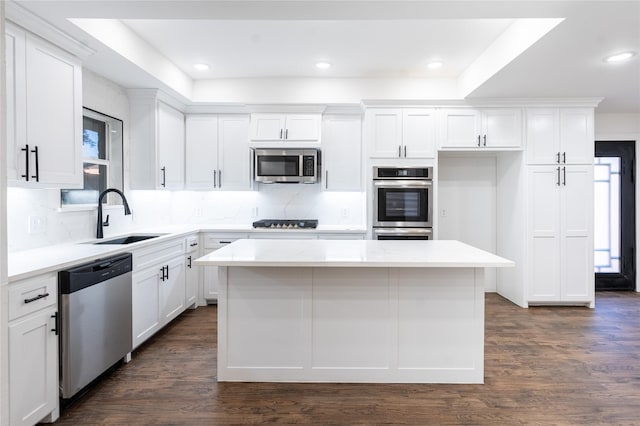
94,181
94,139
607,214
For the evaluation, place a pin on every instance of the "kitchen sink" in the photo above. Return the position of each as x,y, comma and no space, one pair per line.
129,239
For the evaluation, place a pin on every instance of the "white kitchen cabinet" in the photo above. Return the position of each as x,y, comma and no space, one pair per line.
560,234
44,113
33,350
560,136
401,132
285,127
157,142
158,287
217,152
487,128
212,242
192,273
342,153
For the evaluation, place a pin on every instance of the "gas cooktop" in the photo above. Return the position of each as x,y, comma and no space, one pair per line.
286,223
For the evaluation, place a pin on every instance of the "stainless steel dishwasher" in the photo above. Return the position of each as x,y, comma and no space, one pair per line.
95,317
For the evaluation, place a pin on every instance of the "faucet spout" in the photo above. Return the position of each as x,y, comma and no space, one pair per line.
127,210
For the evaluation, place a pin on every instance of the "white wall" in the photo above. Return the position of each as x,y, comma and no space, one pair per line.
623,127
467,196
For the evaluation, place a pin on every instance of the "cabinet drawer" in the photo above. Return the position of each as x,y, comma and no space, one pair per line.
31,295
193,243
157,253
217,240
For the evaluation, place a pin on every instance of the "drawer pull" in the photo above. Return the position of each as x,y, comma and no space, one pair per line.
193,244
38,297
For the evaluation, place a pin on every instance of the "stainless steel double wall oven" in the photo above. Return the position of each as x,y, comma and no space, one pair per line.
402,203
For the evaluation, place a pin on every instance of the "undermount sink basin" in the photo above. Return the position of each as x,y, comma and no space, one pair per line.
128,239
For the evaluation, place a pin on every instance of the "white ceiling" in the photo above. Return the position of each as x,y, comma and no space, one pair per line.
151,43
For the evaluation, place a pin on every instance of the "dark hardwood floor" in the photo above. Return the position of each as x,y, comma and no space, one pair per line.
543,365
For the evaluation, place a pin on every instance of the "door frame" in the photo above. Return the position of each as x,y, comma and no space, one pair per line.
626,279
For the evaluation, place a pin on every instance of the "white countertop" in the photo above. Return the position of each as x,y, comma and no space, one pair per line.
352,253
28,263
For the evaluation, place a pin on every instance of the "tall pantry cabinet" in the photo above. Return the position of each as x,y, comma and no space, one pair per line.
556,179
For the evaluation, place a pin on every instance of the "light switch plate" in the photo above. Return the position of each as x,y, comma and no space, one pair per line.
37,224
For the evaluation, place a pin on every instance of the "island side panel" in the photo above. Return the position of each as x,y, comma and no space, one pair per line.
421,325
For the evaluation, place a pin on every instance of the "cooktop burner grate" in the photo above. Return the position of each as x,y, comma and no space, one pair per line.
286,223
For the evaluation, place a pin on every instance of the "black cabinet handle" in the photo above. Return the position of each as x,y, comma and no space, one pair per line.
215,184
37,175
558,181
26,162
189,264
193,244
281,133
478,141
286,134
167,271
164,176
405,151
219,178
564,158
558,157
225,242
564,176
484,140
38,297
55,322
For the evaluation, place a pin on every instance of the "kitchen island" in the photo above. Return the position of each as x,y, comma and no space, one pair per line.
351,311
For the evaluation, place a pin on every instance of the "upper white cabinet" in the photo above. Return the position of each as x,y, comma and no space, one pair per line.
401,132
44,113
342,153
285,127
488,128
157,143
560,136
218,154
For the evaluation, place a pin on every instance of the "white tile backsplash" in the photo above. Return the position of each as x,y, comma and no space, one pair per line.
158,208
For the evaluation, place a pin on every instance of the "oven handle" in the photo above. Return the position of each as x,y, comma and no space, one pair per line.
403,231
403,183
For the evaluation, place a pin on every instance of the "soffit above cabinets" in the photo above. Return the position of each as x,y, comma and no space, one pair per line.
265,51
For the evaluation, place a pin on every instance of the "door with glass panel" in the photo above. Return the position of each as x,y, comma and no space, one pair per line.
615,229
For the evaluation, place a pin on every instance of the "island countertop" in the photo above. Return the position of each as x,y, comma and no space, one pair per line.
353,253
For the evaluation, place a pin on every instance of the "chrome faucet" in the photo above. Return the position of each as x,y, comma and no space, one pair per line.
127,211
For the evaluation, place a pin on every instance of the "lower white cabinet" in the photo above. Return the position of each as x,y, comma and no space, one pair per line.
560,234
158,287
192,273
213,242
33,351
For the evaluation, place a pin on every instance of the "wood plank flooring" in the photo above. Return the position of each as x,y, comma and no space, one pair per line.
543,365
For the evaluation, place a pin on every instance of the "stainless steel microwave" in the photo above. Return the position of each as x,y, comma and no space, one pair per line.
274,165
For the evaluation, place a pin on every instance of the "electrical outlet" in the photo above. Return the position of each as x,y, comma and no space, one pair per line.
254,212
443,213
37,224
344,213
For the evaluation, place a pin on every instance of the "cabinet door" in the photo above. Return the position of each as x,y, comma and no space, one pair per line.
172,302
170,147
384,133
16,106
544,234
543,133
578,280
302,127
418,133
210,280
461,128
192,277
234,163
201,142
342,153
502,128
146,304
54,115
267,127
33,375
577,135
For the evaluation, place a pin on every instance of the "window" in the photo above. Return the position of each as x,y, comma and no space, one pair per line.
102,159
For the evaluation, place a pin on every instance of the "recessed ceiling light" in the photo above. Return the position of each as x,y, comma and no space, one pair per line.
201,67
434,65
323,65
619,57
